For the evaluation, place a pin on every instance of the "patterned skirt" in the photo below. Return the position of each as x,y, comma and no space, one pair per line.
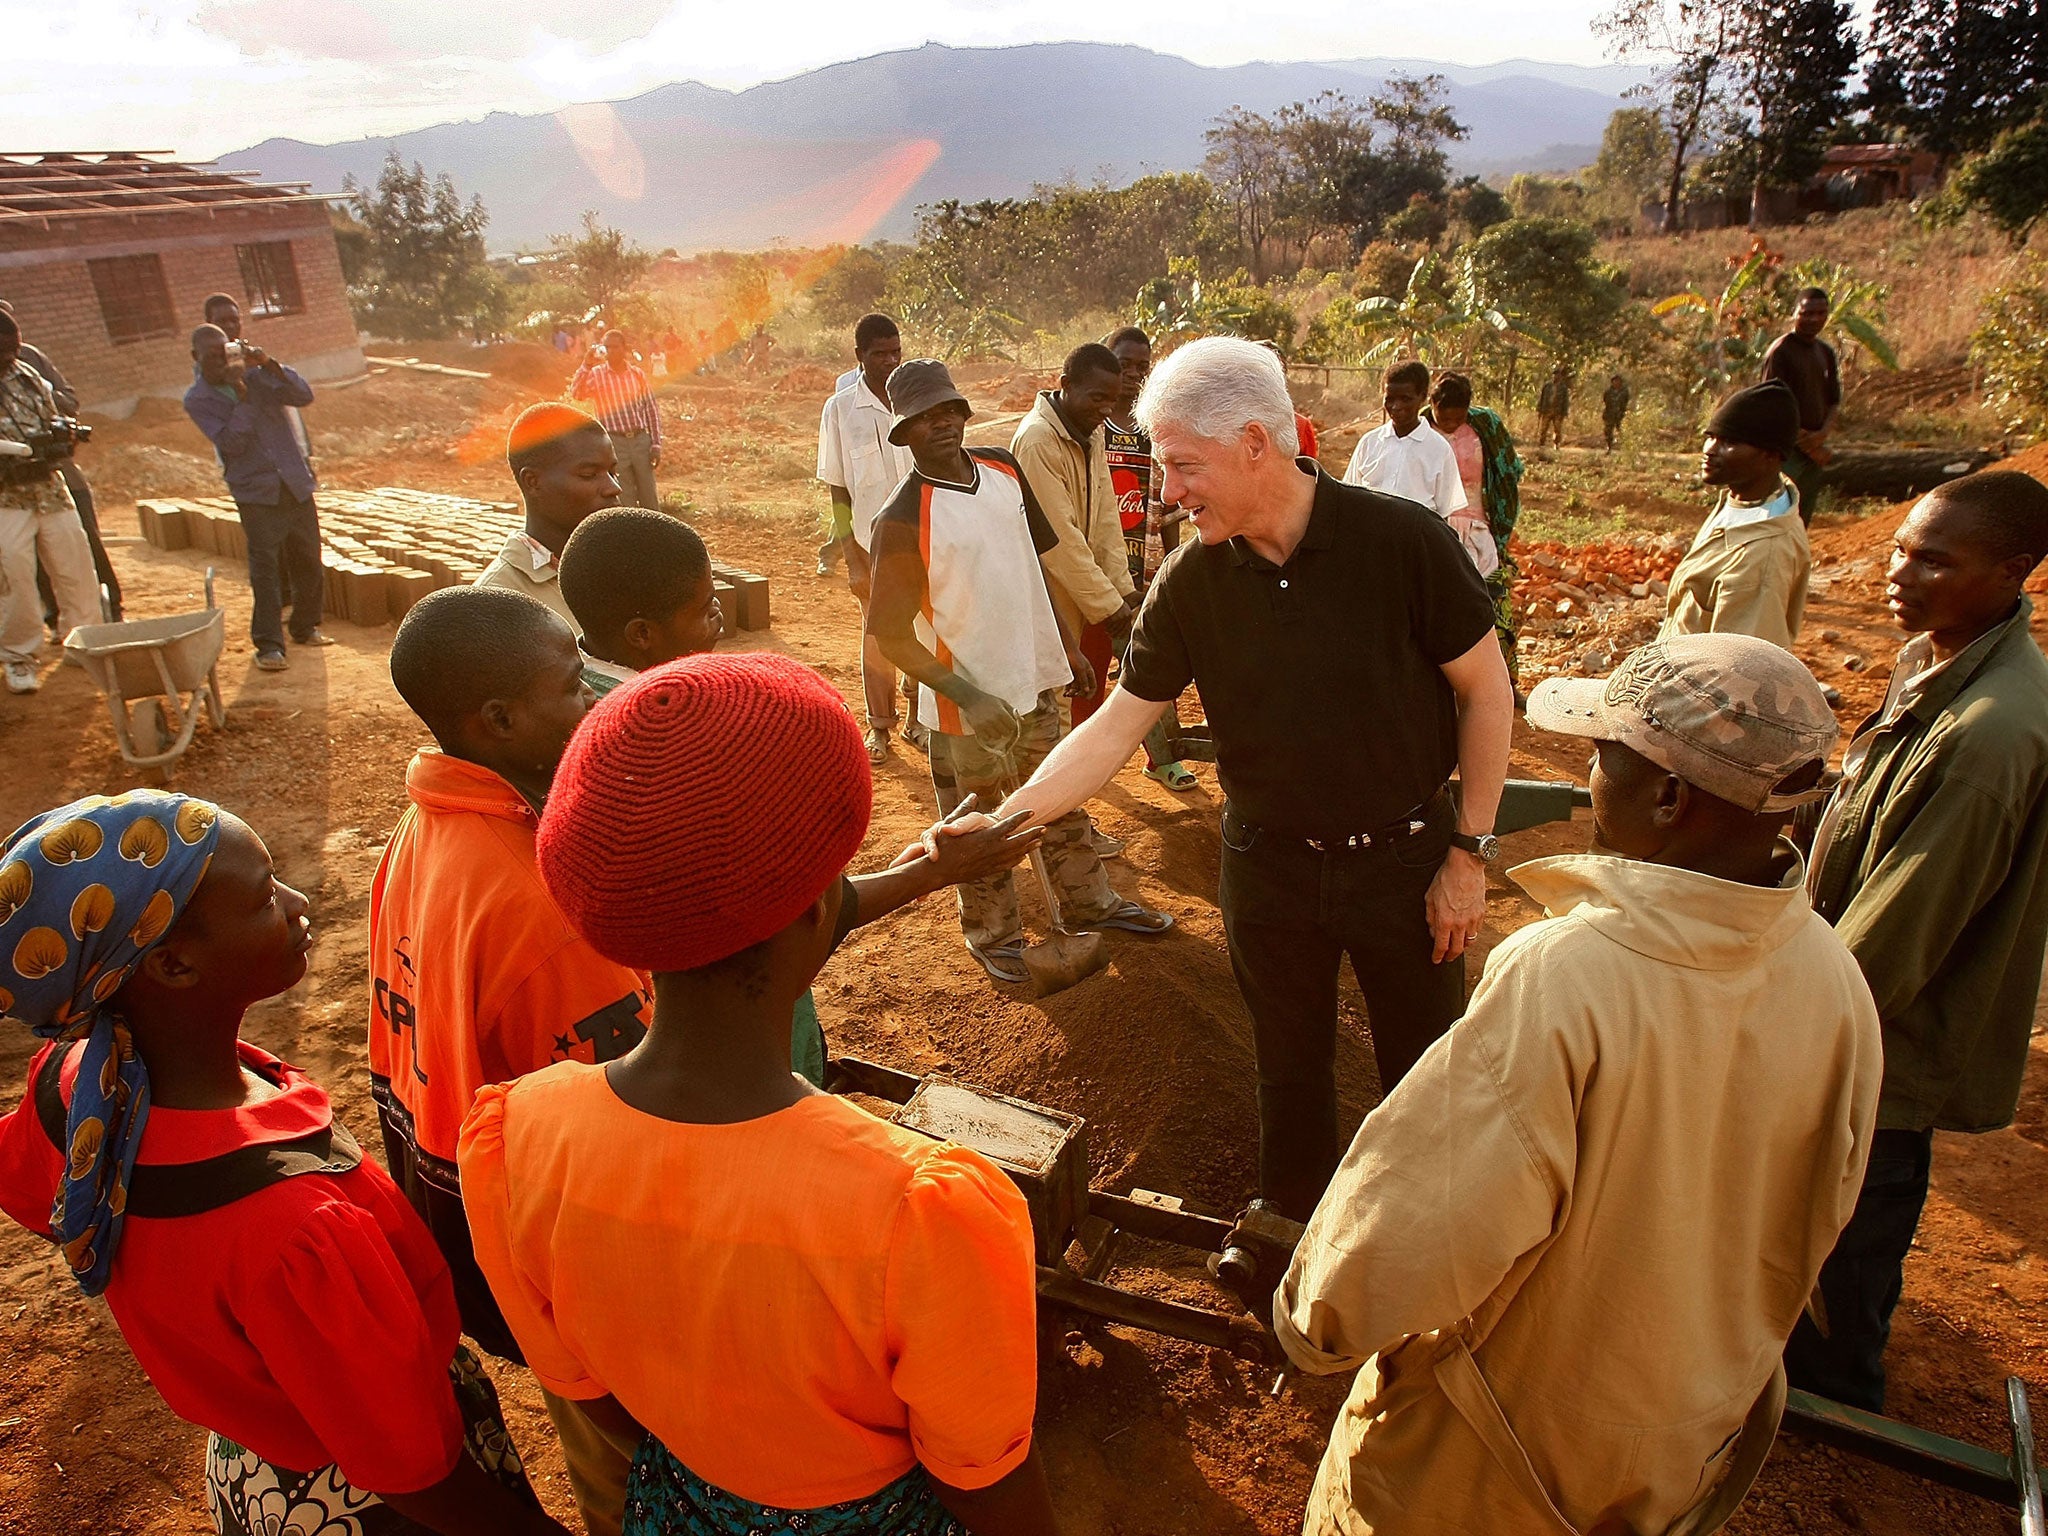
665,1498
248,1496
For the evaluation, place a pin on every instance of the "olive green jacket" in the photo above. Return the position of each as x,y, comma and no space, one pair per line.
1931,872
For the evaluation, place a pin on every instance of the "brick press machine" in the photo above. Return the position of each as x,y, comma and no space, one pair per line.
1079,1231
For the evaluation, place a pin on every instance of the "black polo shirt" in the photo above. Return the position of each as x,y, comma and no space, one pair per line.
1321,676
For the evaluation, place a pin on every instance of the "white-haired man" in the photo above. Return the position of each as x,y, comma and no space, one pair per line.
1343,646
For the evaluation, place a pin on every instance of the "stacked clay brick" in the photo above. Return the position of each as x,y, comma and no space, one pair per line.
385,549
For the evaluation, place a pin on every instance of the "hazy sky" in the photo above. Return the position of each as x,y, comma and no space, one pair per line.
204,76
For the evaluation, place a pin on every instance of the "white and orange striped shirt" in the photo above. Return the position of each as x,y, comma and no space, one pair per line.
985,614
623,398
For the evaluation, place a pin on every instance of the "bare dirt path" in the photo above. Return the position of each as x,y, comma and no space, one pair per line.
1145,1436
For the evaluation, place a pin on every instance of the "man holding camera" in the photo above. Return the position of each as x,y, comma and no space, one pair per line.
241,401
37,517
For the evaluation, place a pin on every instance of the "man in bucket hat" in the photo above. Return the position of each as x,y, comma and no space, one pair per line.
1567,1249
961,602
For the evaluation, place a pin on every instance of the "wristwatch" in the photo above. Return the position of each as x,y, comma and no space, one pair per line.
1485,847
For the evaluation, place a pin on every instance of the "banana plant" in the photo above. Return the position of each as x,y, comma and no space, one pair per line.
1441,318
1730,331
1856,306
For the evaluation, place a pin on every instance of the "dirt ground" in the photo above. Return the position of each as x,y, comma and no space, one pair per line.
1144,1436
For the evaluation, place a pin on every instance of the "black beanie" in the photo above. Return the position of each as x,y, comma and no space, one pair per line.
1765,416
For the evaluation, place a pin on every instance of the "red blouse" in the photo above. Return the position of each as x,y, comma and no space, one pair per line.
311,1322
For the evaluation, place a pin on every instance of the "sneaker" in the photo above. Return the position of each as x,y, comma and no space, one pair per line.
271,661
21,677
1105,846
877,741
313,641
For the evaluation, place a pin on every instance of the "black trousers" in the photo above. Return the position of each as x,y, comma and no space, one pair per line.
284,555
103,568
1861,1281
1291,916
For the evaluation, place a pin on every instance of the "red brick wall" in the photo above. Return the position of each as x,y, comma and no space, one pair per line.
43,274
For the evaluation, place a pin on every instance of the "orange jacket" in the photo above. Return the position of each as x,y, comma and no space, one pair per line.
475,975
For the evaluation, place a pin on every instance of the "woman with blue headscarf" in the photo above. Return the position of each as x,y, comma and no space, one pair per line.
272,1281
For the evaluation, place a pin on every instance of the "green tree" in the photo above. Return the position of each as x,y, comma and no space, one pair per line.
1544,271
1439,317
1954,74
1246,162
851,286
1425,218
1793,59
420,267
1635,149
1476,207
1184,305
2008,182
1691,44
598,267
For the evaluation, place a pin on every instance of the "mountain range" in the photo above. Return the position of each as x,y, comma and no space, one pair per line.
847,152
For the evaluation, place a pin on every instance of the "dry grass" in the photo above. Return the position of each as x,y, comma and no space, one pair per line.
1938,277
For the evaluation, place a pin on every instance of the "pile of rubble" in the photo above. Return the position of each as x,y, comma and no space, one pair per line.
1582,607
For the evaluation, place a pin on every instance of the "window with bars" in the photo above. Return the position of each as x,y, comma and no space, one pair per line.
135,302
270,278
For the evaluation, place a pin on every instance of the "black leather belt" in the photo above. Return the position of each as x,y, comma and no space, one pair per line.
1415,821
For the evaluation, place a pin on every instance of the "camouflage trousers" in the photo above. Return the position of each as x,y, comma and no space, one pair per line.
961,766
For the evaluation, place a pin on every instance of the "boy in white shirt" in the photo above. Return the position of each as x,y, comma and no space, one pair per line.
1406,456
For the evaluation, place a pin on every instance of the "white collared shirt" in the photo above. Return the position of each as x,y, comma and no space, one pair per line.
1422,466
854,452
1741,514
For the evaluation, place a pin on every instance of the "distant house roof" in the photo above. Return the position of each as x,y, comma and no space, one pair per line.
1850,155
56,184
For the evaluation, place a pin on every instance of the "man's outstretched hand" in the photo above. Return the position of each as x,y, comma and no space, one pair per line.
972,847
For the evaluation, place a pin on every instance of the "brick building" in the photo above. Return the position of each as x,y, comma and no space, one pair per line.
107,259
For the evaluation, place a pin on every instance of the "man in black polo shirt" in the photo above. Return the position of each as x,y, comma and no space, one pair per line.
1343,645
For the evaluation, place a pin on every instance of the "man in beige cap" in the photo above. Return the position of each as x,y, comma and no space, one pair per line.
1568,1249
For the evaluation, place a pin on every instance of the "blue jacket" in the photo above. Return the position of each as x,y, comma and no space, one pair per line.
259,453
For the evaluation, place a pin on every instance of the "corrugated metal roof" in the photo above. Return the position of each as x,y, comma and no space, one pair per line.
1869,154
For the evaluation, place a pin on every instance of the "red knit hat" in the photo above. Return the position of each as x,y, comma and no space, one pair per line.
701,807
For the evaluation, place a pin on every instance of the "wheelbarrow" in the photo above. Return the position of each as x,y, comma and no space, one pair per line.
156,674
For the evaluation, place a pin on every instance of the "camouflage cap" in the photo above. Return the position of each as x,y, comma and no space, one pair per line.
1732,714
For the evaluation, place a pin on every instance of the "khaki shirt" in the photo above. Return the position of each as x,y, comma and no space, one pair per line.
1615,1178
526,565
1745,580
1071,480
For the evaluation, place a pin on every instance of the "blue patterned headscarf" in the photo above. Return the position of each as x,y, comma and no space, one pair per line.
85,892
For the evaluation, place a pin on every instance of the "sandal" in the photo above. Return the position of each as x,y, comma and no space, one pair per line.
1005,962
877,741
1176,776
1131,918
